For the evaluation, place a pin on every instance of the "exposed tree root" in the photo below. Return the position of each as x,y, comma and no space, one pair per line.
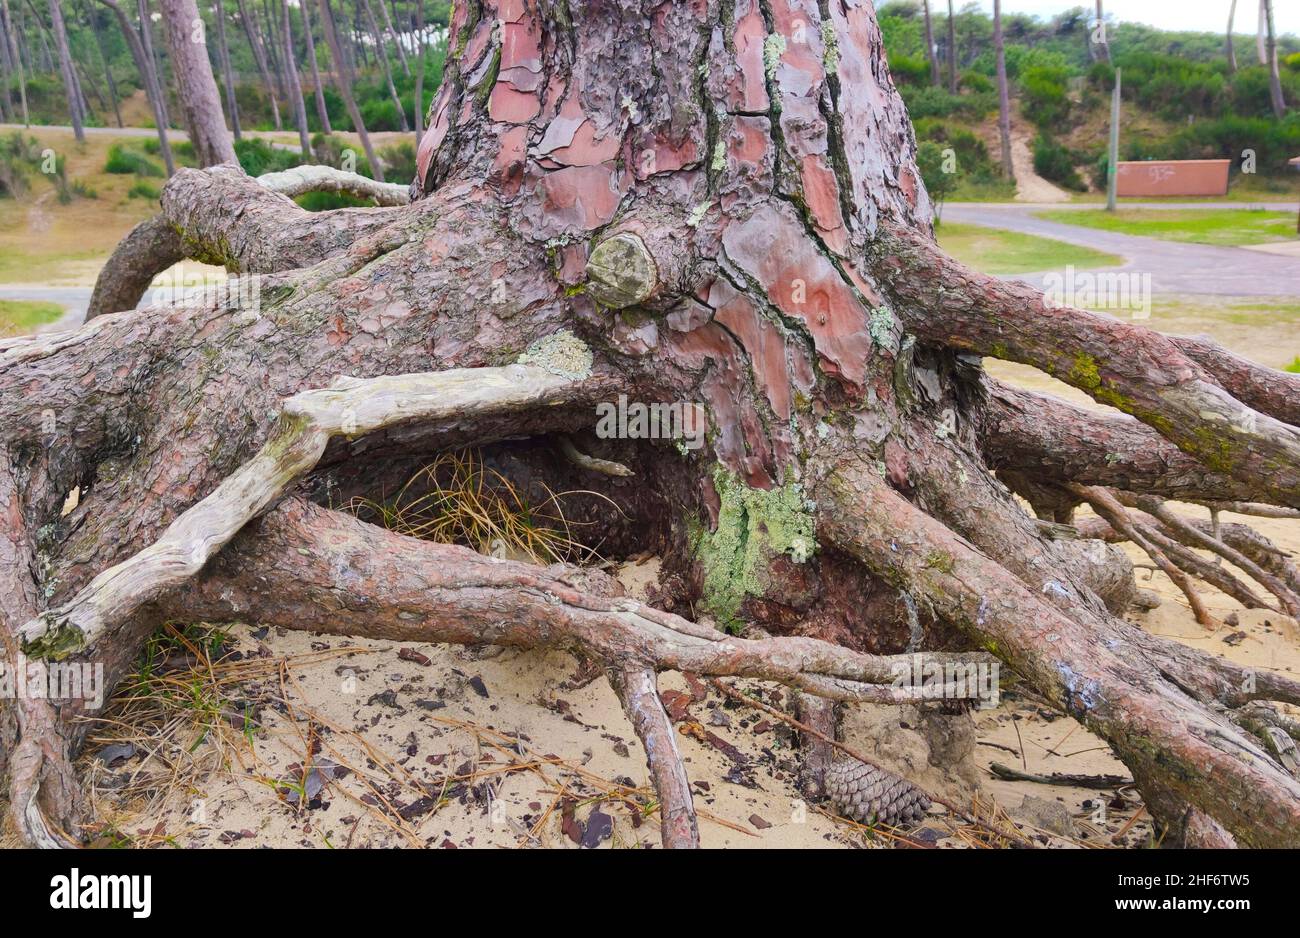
638,689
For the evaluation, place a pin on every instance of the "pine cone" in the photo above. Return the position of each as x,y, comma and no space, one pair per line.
866,794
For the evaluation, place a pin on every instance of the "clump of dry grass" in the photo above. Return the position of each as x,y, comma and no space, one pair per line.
456,499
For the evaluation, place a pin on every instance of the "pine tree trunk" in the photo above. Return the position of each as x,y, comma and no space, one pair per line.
259,57
200,101
952,50
227,70
1270,52
322,113
295,86
66,70
343,75
1004,97
1230,50
931,52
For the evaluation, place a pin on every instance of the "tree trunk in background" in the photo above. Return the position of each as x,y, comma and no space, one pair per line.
1229,49
381,52
295,86
65,68
6,73
1274,78
397,41
155,67
227,70
18,61
143,61
322,112
103,59
1103,42
931,52
259,57
343,75
1261,31
1004,97
197,89
419,73
952,50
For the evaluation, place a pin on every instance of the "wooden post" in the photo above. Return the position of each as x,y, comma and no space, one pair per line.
1112,163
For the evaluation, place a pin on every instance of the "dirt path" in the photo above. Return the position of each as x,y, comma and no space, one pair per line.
1030,187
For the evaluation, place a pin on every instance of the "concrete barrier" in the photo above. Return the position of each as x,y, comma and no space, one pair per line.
1173,177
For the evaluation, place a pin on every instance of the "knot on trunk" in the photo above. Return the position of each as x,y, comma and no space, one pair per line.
621,272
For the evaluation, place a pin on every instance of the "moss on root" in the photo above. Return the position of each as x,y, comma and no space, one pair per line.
754,525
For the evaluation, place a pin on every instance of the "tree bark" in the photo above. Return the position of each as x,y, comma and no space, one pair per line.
200,101
737,225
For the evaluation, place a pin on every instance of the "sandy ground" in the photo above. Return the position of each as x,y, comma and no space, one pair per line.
1030,187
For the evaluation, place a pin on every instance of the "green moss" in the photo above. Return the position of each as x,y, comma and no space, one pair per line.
940,560
753,526
1084,374
58,643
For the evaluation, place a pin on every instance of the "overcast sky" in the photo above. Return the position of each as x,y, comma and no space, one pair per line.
1208,15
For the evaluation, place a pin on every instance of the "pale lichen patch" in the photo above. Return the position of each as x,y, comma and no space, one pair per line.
561,353
754,525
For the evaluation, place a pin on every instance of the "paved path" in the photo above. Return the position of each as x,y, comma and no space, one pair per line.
1175,268
74,301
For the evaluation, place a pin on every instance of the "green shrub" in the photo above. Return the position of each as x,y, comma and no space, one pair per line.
127,162
1294,367
258,157
1043,97
399,160
143,190
909,70
1056,163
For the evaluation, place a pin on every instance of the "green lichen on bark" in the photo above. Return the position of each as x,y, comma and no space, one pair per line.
754,525
831,48
773,49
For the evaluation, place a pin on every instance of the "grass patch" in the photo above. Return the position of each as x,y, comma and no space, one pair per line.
143,190
996,251
457,499
22,316
126,162
1226,227
1294,367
